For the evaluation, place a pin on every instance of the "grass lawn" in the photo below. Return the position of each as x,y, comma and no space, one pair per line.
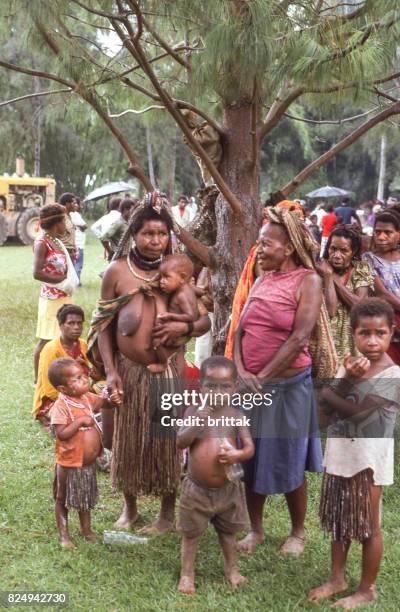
142,577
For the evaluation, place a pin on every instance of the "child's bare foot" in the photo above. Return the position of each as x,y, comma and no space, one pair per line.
126,519
67,544
294,545
161,525
327,590
90,536
157,368
236,579
186,585
360,598
250,542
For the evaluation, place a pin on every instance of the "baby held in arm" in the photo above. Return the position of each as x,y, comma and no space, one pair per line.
176,272
211,490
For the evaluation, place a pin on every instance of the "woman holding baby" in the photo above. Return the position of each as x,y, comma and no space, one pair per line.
144,461
283,313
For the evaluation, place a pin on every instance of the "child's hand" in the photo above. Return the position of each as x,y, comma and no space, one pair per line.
115,398
356,366
228,455
87,421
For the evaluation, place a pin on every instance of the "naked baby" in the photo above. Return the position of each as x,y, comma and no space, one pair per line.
210,491
175,274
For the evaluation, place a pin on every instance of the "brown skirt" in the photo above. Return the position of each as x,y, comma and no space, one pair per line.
145,456
76,486
345,506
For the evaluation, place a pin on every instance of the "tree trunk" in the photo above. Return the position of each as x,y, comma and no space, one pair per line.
382,170
37,128
172,167
234,238
150,156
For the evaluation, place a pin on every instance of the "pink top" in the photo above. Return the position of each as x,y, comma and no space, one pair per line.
269,317
56,263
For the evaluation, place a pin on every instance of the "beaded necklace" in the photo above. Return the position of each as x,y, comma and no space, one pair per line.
74,404
136,275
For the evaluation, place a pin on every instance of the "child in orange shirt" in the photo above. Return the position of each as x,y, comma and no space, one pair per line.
78,444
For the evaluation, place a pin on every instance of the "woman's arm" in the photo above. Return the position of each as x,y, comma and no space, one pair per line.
306,317
169,331
247,378
39,262
349,298
382,292
330,295
325,270
105,342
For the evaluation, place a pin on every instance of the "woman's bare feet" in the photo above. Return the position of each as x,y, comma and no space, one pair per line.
250,542
161,525
294,545
327,590
236,579
126,519
360,598
186,585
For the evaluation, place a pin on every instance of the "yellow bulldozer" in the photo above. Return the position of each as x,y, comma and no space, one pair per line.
20,200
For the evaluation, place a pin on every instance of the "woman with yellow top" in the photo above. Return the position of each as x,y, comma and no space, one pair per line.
70,320
347,280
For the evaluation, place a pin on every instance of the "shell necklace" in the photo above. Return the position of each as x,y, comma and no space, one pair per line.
136,275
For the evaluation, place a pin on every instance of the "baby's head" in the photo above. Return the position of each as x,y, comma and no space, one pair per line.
218,375
66,376
175,271
372,323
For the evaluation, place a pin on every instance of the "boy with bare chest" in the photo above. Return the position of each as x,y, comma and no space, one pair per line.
78,444
209,491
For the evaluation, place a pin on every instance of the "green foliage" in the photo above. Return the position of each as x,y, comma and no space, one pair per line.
238,51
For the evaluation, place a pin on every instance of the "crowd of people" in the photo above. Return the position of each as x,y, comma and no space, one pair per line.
315,302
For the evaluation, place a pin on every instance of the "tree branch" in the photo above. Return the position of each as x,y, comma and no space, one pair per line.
383,94
135,169
331,122
165,45
394,109
368,30
39,73
277,110
135,112
359,12
197,248
97,11
36,95
137,52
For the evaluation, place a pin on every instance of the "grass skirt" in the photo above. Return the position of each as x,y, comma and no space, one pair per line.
81,492
345,506
145,456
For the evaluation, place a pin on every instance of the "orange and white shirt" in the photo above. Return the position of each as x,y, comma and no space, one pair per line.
66,409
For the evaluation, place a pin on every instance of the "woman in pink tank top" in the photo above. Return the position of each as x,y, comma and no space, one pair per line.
272,343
